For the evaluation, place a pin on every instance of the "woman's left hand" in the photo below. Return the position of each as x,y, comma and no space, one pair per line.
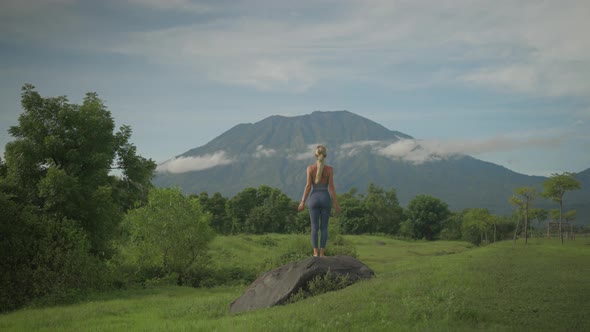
337,207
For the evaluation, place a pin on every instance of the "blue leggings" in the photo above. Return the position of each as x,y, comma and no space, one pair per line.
320,205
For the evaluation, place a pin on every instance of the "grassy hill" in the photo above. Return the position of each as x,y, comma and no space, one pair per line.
446,286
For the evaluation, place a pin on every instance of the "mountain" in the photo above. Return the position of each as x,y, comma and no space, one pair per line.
276,150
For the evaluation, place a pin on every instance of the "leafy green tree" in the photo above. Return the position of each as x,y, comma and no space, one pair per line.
522,199
302,223
170,233
239,207
540,215
384,212
570,216
216,206
555,187
261,210
60,206
353,216
427,215
452,227
3,168
477,222
61,160
277,211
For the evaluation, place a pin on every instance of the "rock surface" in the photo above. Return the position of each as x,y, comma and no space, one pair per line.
276,286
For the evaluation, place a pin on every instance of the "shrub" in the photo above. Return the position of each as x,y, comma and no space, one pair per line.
169,235
321,284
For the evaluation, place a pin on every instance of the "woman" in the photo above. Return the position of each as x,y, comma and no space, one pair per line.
320,182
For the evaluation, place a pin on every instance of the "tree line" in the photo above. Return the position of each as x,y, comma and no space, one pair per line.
554,188
78,211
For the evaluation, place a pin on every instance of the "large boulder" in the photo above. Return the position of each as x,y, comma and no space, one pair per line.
276,286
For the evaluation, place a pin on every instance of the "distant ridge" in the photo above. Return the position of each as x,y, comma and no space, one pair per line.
276,150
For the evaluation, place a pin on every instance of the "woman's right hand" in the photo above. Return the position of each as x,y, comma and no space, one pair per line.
300,207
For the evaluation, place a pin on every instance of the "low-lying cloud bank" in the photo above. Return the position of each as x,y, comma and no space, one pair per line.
196,163
410,150
421,151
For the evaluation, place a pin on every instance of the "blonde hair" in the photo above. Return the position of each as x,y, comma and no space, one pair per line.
320,154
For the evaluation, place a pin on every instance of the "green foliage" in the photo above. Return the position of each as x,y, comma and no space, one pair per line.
384,212
59,206
555,188
426,215
43,258
539,214
169,235
354,217
61,158
477,225
452,228
557,185
522,199
570,216
216,206
262,210
321,284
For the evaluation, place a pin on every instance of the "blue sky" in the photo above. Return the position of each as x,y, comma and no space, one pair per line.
502,81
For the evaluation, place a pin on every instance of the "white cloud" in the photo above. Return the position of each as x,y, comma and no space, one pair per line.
262,152
308,154
420,151
269,75
408,150
197,163
352,148
490,43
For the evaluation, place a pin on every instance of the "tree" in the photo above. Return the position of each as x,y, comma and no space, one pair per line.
261,210
384,212
427,215
61,160
570,216
353,216
540,215
216,206
452,227
476,224
171,232
522,199
60,206
555,188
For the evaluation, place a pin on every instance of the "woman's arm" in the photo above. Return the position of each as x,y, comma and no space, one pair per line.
306,191
332,190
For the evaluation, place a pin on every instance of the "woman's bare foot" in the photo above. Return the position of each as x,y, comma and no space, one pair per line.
315,252
322,252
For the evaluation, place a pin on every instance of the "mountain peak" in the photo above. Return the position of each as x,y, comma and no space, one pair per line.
289,133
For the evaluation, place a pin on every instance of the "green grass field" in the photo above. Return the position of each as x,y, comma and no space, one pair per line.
420,286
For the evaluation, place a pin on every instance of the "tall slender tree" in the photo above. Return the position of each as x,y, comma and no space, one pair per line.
555,187
523,197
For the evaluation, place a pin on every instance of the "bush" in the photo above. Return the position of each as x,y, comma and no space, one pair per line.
321,284
48,261
220,276
169,235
